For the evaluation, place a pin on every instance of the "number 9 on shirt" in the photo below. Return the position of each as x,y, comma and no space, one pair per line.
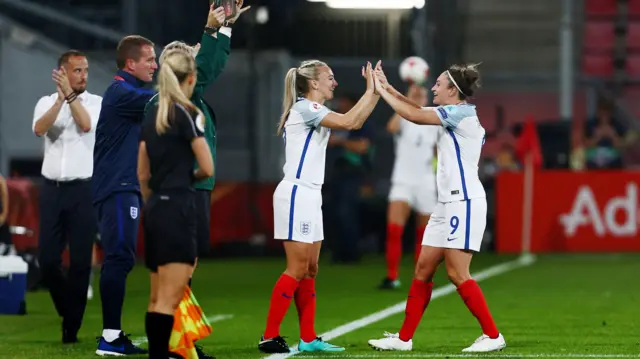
457,225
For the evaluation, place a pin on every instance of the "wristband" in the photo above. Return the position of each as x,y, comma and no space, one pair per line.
210,30
72,96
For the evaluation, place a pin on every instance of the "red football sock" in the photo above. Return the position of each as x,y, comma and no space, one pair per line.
280,301
472,296
394,249
305,298
419,235
419,297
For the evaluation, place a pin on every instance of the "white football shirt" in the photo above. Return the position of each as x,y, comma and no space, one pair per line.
306,143
415,145
459,151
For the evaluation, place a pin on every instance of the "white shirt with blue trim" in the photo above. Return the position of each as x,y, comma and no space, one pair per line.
306,143
414,150
459,149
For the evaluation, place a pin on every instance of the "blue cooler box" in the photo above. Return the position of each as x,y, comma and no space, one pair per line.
13,284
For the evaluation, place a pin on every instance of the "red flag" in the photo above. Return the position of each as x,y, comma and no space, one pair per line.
529,143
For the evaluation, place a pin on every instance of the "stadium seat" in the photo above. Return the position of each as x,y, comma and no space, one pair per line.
601,8
633,35
597,65
599,35
632,65
633,8
630,96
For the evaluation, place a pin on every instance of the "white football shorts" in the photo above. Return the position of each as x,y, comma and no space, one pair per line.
457,225
422,197
297,213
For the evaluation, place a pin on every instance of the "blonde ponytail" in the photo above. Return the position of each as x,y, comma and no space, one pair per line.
177,65
297,83
289,97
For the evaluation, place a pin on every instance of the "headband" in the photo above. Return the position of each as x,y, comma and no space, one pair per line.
455,84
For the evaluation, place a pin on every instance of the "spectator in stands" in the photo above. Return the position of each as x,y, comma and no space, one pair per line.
351,168
577,157
67,120
604,140
506,158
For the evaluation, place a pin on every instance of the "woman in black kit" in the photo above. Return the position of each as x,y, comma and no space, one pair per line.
171,138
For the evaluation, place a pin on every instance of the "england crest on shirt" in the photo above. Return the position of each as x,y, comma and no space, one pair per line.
305,228
134,212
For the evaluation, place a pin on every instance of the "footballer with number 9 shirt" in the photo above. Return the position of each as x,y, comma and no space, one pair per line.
456,227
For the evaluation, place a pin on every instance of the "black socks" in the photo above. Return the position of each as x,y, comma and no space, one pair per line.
159,327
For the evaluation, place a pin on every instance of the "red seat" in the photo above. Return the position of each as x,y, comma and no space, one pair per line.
633,7
632,66
597,65
599,8
633,35
599,35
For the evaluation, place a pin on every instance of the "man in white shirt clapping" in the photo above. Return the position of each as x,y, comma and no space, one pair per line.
67,120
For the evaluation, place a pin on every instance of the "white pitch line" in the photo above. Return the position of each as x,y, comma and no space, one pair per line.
211,319
492,355
493,271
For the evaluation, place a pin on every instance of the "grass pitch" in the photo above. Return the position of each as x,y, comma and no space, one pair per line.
561,306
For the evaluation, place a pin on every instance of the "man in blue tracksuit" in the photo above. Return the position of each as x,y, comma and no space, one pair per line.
116,193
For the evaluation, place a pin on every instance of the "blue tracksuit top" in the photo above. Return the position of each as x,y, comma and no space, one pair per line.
115,155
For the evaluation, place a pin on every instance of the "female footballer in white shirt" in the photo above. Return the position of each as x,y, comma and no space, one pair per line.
456,227
297,201
413,183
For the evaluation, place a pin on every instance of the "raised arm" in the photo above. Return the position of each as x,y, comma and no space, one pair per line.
212,57
397,94
419,115
355,118
78,112
45,113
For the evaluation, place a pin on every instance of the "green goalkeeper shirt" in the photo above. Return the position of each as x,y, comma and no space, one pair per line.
210,62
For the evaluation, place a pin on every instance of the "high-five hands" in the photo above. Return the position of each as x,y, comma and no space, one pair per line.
369,73
381,79
239,10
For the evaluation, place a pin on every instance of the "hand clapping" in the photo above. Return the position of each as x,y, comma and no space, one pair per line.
59,76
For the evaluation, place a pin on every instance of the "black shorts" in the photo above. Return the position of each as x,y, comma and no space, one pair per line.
5,239
203,215
170,229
